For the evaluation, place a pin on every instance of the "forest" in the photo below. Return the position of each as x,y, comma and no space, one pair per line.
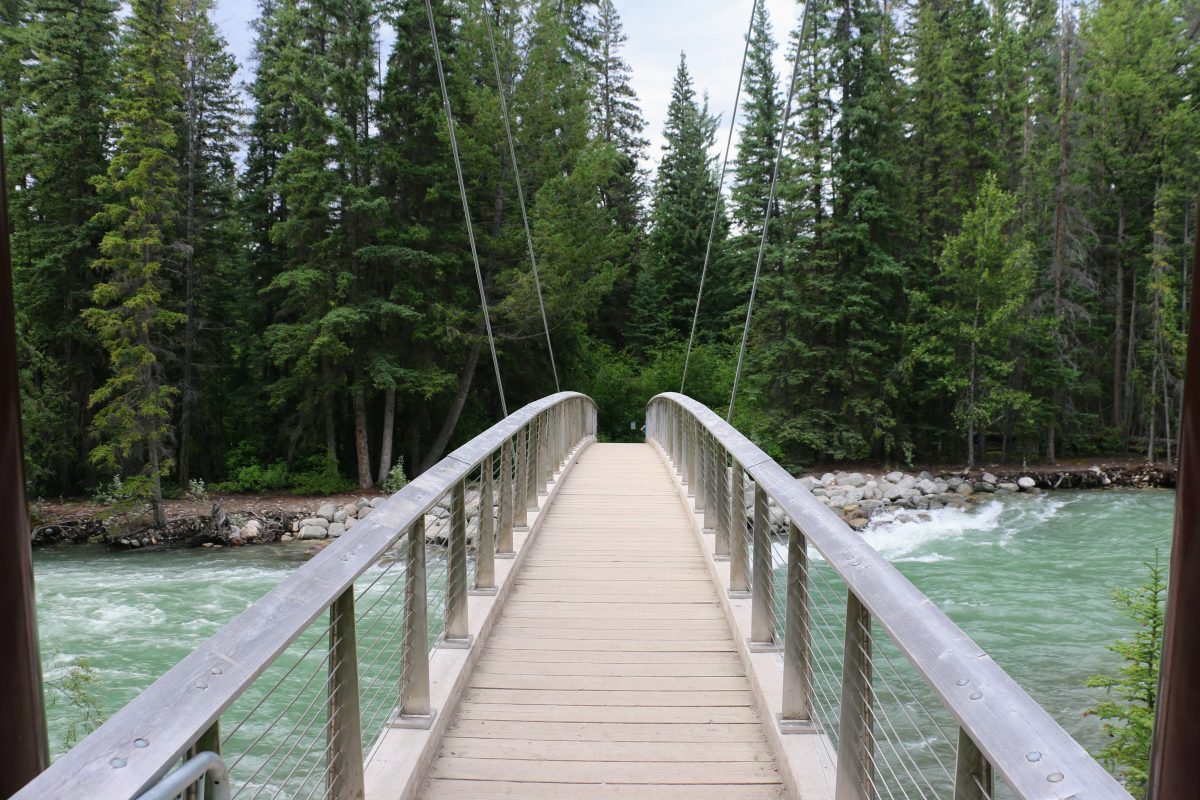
979,247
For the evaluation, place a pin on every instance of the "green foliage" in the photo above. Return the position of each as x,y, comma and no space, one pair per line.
396,479
74,683
1133,690
319,476
256,478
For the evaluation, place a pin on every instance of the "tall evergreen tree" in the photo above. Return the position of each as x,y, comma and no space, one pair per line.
134,313
762,112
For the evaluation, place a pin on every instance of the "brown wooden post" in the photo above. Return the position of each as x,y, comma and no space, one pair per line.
1176,731
23,742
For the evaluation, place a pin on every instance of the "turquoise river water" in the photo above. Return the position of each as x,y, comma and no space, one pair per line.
1029,578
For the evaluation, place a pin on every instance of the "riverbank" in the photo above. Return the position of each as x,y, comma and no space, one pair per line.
860,495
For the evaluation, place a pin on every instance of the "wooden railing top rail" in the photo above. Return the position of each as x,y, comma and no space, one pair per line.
144,740
1025,746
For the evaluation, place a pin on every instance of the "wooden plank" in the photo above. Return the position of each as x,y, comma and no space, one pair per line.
519,749
580,634
611,657
651,772
617,645
615,698
607,731
492,680
578,713
677,669
440,789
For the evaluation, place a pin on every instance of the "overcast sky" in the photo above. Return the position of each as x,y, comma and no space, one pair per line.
710,32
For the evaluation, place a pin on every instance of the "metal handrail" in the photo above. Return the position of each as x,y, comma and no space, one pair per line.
207,765
141,743
1001,728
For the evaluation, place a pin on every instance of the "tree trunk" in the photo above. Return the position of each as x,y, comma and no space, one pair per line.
465,379
361,443
385,444
330,423
1118,324
187,398
1130,349
156,495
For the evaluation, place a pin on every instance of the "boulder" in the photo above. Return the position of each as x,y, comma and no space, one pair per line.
313,532
341,515
327,511
287,537
953,483
336,530
252,529
858,523
315,522
807,483
363,503
1026,483
985,486
855,495
926,486
988,477
376,502
350,523
1008,487
854,479
940,487
894,477
827,479
350,509
964,488
893,492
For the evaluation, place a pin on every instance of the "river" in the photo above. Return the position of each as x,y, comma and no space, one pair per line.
1029,578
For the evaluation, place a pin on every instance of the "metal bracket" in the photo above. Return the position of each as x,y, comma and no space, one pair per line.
799,726
454,644
763,647
413,722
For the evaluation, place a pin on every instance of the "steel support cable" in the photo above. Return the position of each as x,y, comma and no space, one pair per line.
762,244
462,190
712,228
512,153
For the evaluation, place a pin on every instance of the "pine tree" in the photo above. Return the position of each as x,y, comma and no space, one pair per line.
684,192
619,120
211,239
762,112
66,87
133,312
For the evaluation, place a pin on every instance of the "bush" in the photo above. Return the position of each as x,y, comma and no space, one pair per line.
396,479
319,477
74,683
197,491
1133,691
256,478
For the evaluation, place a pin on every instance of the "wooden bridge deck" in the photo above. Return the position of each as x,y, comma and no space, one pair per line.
612,671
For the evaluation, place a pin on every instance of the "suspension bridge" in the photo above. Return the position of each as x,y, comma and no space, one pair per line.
541,615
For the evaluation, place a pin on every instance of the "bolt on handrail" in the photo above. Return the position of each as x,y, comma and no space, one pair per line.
179,715
1001,729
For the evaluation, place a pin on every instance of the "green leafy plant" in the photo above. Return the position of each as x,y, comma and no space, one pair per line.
74,685
1128,714
396,479
320,477
196,490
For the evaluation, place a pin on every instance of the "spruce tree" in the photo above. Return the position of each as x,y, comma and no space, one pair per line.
134,312
762,112
619,120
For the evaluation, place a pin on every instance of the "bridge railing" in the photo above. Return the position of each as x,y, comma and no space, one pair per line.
292,693
912,707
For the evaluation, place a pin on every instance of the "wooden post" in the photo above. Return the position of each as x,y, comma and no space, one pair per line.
23,744
739,556
1176,732
797,638
972,773
485,550
414,710
504,533
762,610
856,742
343,734
455,633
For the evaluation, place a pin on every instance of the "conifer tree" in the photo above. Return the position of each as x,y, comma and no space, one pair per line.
619,120
133,312
762,112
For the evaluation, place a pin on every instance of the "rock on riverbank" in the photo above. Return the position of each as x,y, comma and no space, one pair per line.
859,496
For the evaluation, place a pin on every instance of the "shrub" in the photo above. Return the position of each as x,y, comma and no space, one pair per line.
256,478
396,479
320,477
1133,691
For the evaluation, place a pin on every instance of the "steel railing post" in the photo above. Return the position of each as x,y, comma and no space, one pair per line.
414,710
677,441
762,610
504,532
721,542
690,456
700,488
856,742
739,555
796,714
485,548
343,735
973,779
455,633
712,494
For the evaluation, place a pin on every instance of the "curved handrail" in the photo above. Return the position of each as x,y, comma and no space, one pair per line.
141,742
1022,742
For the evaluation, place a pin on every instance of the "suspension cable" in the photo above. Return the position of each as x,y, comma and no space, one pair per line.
462,190
512,153
712,228
762,244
